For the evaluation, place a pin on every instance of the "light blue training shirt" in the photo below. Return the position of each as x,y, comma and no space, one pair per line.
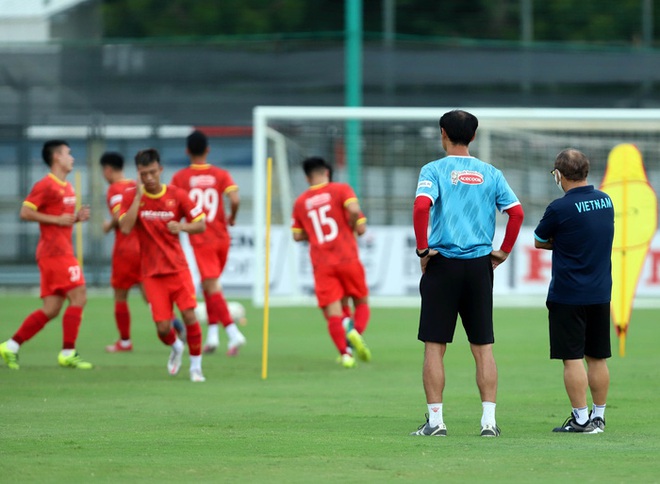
465,192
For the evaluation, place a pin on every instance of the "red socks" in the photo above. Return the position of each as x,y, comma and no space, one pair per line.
169,338
31,326
217,309
337,333
347,311
194,336
38,319
123,319
361,318
70,326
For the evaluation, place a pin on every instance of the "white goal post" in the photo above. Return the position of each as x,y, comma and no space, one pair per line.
394,144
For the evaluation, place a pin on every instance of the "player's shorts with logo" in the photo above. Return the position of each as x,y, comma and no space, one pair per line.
164,291
577,331
59,275
211,258
332,282
453,287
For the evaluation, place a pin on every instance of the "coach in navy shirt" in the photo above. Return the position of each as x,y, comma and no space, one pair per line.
579,229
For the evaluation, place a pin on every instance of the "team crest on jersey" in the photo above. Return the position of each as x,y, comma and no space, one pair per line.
170,203
466,177
202,181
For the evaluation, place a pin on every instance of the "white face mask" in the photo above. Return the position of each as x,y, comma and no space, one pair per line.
558,180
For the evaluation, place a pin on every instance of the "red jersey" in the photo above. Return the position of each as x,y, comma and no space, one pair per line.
161,250
320,213
206,186
126,246
52,196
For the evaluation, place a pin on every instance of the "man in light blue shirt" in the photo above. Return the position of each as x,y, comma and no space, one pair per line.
460,194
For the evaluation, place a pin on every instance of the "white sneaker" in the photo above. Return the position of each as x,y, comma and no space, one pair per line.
235,344
196,376
174,362
211,345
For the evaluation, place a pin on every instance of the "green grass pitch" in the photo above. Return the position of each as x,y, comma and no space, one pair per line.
311,420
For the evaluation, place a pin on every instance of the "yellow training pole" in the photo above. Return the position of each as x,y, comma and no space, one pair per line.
264,353
79,234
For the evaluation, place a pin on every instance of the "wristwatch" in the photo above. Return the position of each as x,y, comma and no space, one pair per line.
422,253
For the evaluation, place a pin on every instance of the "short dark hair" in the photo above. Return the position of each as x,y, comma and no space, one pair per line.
50,147
147,157
573,164
315,163
197,142
460,126
112,159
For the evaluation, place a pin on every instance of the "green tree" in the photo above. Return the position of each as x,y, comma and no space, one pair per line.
200,18
596,21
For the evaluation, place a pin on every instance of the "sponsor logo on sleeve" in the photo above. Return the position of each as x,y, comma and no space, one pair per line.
425,184
196,212
115,199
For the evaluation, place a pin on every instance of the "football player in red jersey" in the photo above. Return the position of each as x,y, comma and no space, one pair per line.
328,216
52,203
155,211
207,186
126,250
125,253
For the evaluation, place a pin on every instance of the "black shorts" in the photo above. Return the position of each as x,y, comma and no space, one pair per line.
453,287
578,331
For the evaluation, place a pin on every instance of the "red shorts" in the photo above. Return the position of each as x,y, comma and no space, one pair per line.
126,272
211,258
331,283
164,291
59,275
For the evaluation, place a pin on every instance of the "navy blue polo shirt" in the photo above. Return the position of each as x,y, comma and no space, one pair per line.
581,226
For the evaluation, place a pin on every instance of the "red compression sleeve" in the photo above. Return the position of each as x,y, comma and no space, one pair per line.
516,216
421,212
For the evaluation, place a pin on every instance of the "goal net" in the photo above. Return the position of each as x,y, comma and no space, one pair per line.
380,151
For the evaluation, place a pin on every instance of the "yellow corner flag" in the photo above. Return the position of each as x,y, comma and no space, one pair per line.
635,223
